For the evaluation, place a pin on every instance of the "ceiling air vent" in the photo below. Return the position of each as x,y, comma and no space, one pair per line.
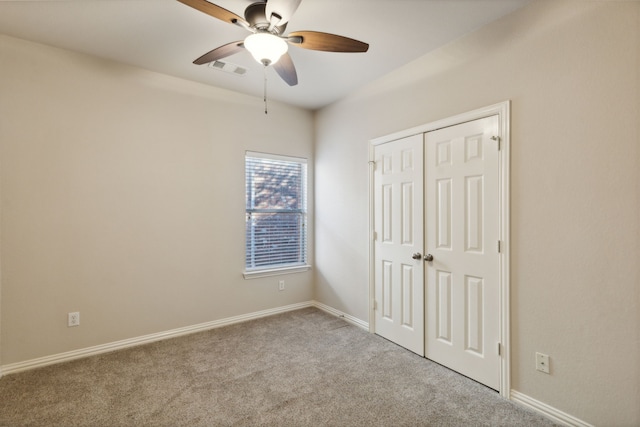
228,67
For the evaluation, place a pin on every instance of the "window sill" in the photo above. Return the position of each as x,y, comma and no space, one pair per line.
256,274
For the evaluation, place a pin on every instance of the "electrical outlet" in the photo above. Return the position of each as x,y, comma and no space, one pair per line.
542,363
74,319
281,285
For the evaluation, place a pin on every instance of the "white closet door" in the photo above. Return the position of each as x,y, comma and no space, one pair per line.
399,242
462,220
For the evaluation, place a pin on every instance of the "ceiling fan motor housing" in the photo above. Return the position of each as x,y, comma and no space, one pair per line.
255,15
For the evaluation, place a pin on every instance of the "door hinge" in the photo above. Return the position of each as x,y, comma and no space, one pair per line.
499,246
499,349
374,236
375,304
498,140
373,163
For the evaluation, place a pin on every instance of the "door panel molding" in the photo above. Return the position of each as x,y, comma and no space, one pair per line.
502,110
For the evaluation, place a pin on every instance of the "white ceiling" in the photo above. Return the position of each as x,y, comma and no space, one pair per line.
166,36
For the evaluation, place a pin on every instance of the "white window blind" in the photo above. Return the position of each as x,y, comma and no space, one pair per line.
276,211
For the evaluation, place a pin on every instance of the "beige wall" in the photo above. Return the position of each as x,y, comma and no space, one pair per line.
571,69
123,198
121,195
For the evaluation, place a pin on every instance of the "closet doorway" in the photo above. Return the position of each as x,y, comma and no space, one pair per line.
439,227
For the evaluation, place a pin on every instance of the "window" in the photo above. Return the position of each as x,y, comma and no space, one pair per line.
276,214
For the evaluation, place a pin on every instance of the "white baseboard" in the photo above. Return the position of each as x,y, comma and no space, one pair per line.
520,398
353,320
173,333
146,339
548,411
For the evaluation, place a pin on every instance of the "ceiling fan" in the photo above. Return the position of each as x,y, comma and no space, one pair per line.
267,21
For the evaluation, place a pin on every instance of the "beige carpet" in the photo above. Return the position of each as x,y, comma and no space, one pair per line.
302,368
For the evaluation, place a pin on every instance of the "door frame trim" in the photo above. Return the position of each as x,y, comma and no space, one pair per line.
503,111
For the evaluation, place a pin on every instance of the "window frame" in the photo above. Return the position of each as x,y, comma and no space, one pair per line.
273,270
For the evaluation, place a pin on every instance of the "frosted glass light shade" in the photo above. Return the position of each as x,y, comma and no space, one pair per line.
266,48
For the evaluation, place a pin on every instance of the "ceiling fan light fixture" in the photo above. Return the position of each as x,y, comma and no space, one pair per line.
265,47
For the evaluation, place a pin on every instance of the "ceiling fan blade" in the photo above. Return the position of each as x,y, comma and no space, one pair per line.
283,9
214,10
285,69
220,52
315,40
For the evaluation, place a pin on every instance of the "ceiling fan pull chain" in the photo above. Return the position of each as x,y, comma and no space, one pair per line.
265,88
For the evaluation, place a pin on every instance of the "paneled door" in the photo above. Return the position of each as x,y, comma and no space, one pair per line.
399,241
462,268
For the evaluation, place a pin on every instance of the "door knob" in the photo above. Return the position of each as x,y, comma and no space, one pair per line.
428,257
417,255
